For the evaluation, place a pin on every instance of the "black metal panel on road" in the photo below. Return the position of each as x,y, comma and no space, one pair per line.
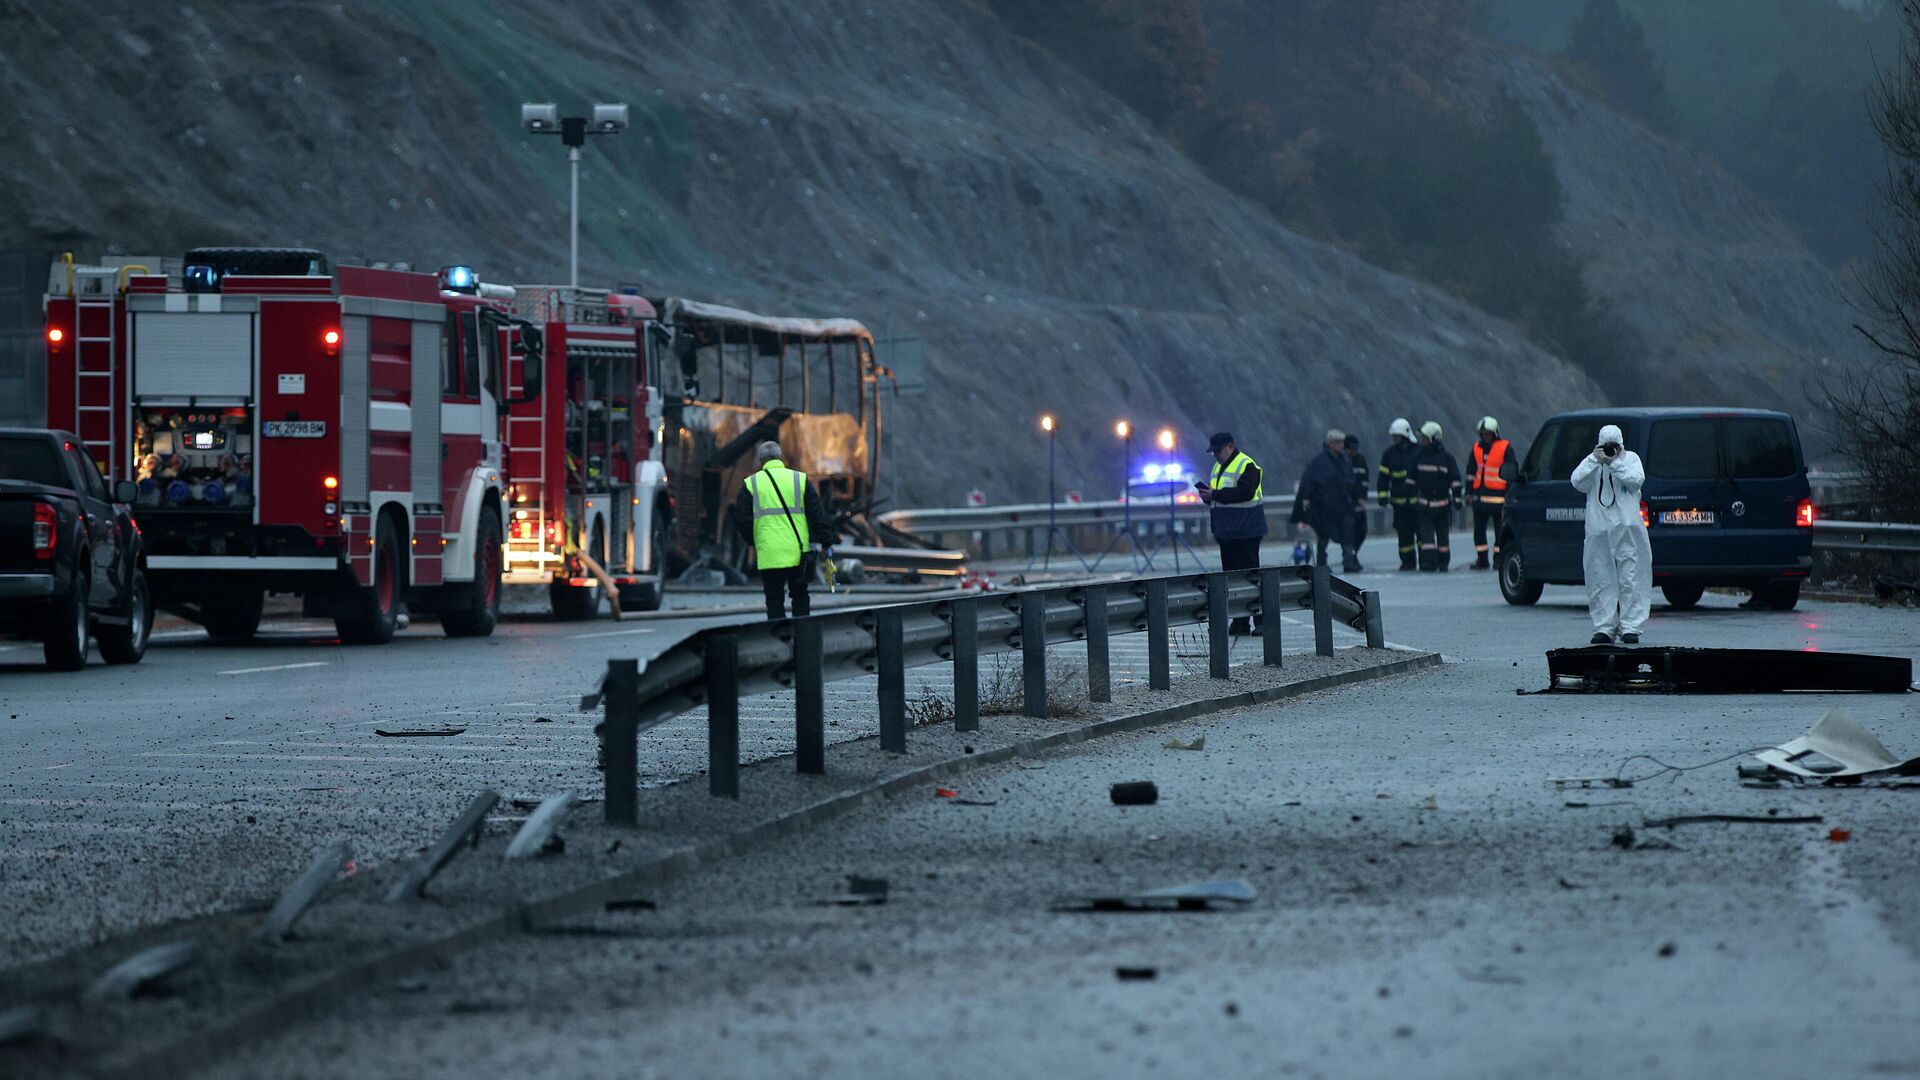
1608,668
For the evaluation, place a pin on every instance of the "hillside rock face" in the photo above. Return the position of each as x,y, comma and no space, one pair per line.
1725,304
911,164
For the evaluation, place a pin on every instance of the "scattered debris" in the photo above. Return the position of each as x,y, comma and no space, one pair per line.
632,903
1565,884
1197,744
1589,781
419,734
1136,974
1597,805
1730,819
18,1025
1135,793
465,830
1626,839
1668,949
861,892
327,862
1674,670
1200,896
537,836
944,793
976,802
126,978
1837,747
543,719
1839,836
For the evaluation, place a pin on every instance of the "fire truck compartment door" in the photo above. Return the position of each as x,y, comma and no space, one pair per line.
193,354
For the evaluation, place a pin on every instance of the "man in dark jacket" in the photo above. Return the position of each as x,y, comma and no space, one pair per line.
1358,462
1436,479
1324,500
779,513
1238,514
1396,490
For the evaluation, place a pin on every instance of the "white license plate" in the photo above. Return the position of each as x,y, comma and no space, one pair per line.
1686,517
294,429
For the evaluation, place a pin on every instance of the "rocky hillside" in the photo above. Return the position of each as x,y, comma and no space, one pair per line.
913,164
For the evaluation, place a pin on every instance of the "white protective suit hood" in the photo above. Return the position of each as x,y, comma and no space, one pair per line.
1617,558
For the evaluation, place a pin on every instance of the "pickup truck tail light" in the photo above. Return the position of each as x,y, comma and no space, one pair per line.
1803,514
1646,519
46,531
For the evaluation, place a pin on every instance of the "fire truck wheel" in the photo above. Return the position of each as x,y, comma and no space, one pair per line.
379,613
65,631
476,618
236,619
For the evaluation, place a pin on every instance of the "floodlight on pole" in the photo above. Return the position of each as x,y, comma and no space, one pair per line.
543,118
1166,439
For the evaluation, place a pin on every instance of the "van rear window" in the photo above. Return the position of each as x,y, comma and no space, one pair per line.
1686,449
1759,448
31,459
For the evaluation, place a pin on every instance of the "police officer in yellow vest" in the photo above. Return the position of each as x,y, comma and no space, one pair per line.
1239,517
779,513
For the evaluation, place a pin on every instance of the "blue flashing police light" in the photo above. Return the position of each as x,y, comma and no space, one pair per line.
460,279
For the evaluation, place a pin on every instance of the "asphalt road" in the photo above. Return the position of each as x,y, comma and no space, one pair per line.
1427,904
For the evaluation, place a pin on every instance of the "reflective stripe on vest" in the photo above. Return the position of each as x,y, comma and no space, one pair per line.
779,532
1486,466
1227,477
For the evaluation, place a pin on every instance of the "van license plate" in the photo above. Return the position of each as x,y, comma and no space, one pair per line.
1686,517
294,429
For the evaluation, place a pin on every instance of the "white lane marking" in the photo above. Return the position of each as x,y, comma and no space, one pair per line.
272,667
616,633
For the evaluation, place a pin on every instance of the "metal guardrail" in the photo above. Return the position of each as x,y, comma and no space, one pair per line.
1895,538
718,666
977,527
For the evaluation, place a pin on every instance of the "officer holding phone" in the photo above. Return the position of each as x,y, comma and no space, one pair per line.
1239,519
1617,557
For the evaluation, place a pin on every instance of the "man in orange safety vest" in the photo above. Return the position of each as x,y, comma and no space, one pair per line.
1492,471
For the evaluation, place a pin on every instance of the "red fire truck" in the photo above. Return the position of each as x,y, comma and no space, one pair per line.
334,433
586,492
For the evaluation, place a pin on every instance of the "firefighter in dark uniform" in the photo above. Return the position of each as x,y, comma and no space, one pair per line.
1436,483
1492,471
1394,485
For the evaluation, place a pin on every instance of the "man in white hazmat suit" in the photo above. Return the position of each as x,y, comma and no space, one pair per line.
1618,558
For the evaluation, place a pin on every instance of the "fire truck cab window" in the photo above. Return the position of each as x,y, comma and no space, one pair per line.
470,355
489,337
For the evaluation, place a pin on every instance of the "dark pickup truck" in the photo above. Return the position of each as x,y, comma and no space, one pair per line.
71,562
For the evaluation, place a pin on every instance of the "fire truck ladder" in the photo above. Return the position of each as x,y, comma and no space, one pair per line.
529,550
96,414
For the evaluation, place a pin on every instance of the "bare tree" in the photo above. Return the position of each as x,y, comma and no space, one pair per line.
1879,410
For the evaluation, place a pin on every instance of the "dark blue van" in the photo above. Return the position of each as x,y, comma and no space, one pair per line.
1726,504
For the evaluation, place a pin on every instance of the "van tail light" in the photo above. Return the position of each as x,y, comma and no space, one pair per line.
1803,514
46,531
1646,519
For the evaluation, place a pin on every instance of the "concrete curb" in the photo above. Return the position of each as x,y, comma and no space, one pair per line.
186,1055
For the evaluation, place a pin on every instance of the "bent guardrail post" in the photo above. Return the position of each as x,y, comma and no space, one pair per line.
465,828
890,650
966,663
809,698
1159,663
1217,625
1370,607
1033,652
300,895
1322,610
723,714
620,738
1093,602
1270,652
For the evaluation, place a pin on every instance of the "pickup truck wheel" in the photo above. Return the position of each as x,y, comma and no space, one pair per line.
481,611
1515,587
65,632
379,613
1779,596
127,644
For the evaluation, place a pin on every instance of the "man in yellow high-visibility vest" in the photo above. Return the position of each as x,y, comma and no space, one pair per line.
779,513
